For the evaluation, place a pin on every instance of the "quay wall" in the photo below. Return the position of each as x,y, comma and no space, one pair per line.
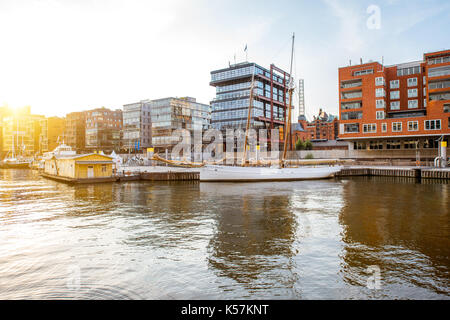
414,172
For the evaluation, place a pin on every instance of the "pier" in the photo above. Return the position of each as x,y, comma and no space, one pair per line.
158,173
411,172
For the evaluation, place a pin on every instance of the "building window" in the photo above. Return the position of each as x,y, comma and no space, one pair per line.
408,71
446,108
430,143
424,92
396,127
433,124
412,93
351,127
424,80
380,103
359,146
439,60
394,84
410,144
395,94
379,81
393,144
363,72
413,125
379,92
103,167
412,104
375,145
369,128
384,127
412,82
395,105
425,103
380,115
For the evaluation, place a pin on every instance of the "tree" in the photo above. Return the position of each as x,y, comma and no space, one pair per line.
299,145
308,145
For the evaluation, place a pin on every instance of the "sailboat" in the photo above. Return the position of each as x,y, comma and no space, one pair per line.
11,162
274,173
15,162
280,172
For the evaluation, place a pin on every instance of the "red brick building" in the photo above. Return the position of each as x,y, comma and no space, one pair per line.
404,106
323,127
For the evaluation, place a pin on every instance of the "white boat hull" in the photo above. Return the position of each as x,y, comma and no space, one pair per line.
244,174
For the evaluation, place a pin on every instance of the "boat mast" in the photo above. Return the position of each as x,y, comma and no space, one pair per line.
249,115
13,145
287,135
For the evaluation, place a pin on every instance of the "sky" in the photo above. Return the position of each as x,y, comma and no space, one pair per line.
63,56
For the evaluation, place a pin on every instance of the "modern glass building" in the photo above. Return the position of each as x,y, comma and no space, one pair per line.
270,97
21,132
137,126
103,129
75,135
170,114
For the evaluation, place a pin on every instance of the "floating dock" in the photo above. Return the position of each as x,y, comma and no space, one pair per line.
139,176
78,181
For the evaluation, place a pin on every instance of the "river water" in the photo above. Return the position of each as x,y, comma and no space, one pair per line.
356,238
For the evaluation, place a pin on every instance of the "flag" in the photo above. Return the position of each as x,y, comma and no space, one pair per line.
245,47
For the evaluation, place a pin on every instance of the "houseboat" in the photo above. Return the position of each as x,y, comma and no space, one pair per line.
82,168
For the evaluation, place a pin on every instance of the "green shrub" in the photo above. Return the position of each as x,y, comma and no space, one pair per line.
309,156
308,145
299,145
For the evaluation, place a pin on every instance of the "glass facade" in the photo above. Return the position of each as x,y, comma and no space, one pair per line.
137,125
103,130
230,106
170,114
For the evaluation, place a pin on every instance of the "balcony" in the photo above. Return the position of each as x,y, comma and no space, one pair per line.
438,86
440,96
351,84
351,115
351,105
351,95
438,71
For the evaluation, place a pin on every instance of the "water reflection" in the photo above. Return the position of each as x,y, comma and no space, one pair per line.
253,238
290,240
402,227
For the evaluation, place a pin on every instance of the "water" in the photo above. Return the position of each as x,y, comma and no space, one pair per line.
293,240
